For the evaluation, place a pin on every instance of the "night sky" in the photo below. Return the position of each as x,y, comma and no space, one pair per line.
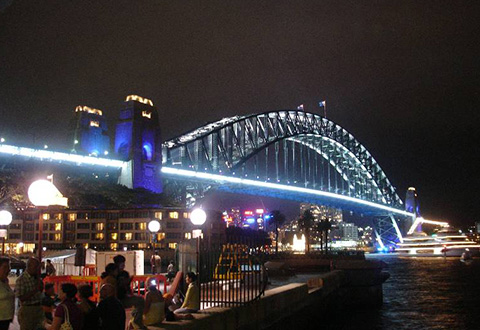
401,76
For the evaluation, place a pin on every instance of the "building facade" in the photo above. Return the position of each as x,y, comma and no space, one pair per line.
98,229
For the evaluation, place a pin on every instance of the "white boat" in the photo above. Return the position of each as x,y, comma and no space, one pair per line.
446,242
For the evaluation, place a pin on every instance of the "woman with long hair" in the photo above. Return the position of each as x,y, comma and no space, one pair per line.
68,310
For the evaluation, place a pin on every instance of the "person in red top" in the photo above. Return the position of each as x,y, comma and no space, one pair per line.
67,308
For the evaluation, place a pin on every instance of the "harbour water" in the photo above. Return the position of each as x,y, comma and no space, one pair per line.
422,293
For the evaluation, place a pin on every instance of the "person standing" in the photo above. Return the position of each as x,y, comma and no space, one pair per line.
110,309
7,297
28,289
68,310
156,262
125,295
89,309
170,271
50,268
48,303
110,275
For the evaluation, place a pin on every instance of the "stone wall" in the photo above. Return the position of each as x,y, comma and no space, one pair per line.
298,305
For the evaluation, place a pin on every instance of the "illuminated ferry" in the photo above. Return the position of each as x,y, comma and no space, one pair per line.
446,242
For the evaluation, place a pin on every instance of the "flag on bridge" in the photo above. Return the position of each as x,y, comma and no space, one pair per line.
300,107
323,104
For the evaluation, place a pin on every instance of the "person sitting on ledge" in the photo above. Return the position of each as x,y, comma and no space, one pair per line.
191,304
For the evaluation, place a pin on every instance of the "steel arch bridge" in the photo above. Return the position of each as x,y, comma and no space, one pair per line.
288,154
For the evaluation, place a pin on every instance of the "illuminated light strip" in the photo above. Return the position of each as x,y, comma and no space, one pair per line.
140,99
436,247
248,182
395,225
422,220
434,243
88,109
379,240
437,238
60,156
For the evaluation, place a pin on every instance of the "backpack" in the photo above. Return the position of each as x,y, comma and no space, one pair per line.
66,325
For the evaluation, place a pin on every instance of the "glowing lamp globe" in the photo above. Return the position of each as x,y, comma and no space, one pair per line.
154,226
44,193
198,217
5,218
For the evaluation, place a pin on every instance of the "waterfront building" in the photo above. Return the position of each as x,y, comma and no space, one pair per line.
98,229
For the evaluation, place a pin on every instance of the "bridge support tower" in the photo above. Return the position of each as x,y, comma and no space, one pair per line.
137,141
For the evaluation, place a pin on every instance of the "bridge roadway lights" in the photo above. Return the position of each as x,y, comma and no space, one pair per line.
222,179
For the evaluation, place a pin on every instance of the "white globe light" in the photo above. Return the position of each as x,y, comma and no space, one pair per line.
198,217
44,193
154,226
5,218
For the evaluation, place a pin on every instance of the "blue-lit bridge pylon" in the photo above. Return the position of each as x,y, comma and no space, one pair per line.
287,154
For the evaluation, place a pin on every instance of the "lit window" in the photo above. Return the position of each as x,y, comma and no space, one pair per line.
113,246
158,215
128,236
58,237
142,245
188,235
142,226
58,216
146,114
45,216
99,226
58,227
94,123
72,216
99,236
113,236
172,245
173,215
160,236
186,215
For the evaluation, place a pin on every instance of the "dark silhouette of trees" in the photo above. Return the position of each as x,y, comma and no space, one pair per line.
277,219
324,227
305,222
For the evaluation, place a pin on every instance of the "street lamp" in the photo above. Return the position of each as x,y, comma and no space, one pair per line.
154,226
5,220
43,193
198,218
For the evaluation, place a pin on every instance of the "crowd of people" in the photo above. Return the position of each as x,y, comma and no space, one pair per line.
71,308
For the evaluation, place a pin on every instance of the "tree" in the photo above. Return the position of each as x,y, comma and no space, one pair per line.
277,218
305,222
324,227
327,226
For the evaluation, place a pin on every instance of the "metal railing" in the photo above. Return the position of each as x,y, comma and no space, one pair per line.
231,274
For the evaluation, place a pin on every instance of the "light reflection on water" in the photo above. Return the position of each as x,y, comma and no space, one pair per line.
424,293
421,293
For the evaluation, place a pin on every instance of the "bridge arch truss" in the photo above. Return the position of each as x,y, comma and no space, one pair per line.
287,147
